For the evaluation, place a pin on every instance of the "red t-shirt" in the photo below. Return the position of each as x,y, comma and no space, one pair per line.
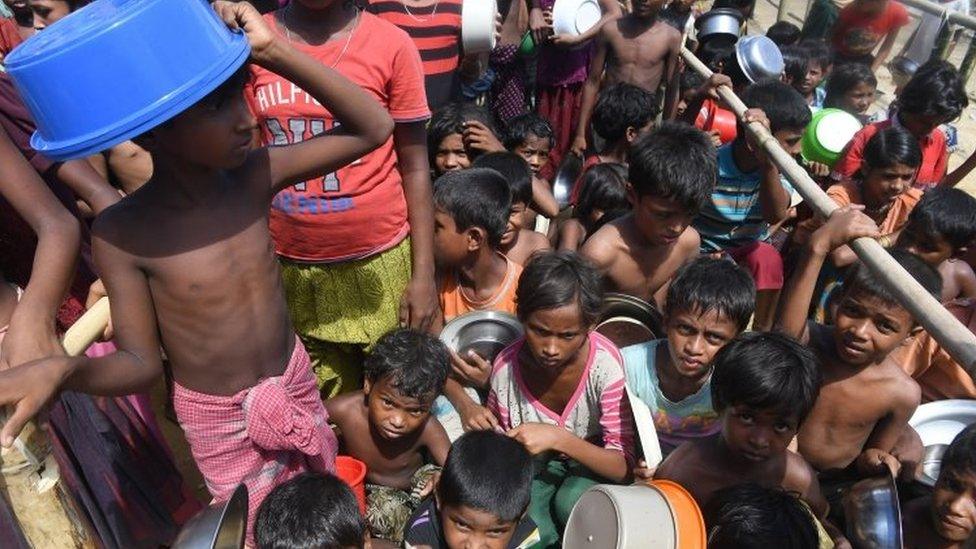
935,155
360,210
858,34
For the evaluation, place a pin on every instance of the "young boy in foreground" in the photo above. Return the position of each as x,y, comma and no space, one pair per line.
763,386
187,262
859,424
387,425
311,510
481,498
672,173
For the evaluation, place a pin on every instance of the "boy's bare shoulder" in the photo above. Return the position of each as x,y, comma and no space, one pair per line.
689,243
799,474
682,459
904,391
346,408
606,243
127,221
534,241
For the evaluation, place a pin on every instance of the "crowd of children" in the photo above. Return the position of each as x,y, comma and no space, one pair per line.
312,225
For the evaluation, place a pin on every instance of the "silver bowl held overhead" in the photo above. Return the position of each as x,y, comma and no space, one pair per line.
220,526
486,333
719,21
873,514
759,58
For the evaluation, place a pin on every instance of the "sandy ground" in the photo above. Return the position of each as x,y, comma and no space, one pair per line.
765,15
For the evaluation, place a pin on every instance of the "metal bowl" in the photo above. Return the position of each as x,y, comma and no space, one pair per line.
873,514
932,463
220,526
759,58
486,333
719,22
902,65
569,172
627,320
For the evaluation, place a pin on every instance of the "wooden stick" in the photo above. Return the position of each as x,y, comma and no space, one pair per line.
29,476
940,324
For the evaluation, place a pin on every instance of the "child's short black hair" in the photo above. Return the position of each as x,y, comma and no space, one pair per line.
476,197
818,51
860,279
674,161
604,188
708,284
783,33
890,146
623,106
690,79
935,90
450,119
750,516
514,169
310,510
960,457
766,370
796,60
784,106
554,279
716,52
417,362
844,78
489,472
523,126
945,212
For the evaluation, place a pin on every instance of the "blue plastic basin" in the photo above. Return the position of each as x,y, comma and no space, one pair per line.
117,68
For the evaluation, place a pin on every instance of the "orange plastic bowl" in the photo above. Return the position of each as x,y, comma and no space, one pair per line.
687,516
353,472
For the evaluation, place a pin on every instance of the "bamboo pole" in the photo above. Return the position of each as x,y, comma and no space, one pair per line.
941,325
29,476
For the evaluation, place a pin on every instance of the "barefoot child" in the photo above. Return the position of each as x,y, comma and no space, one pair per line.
639,48
559,390
709,303
191,251
947,518
859,424
518,243
672,173
481,498
387,425
763,386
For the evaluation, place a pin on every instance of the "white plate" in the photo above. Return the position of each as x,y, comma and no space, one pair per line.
939,422
646,432
574,17
478,25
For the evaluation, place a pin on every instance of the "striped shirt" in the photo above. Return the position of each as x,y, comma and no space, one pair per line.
733,216
597,412
436,31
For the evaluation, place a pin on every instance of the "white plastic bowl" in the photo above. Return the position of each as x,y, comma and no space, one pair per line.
574,17
478,25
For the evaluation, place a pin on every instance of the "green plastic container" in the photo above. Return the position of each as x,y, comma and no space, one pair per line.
527,46
827,135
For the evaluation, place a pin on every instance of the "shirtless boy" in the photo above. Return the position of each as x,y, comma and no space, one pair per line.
672,173
640,49
387,425
188,265
860,419
763,386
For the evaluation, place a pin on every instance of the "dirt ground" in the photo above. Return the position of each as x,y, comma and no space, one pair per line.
765,15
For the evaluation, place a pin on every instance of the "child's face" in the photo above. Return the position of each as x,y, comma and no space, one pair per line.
469,528
17,5
920,125
883,185
215,133
451,246
555,337
757,435
535,151
661,221
815,74
789,139
858,99
684,99
515,221
931,248
647,8
393,415
451,155
954,505
694,339
872,7
47,12
866,328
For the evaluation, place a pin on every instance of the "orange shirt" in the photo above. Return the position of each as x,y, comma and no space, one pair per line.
848,192
936,372
454,303
360,210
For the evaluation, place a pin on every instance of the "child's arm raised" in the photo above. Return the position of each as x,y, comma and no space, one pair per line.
844,225
363,123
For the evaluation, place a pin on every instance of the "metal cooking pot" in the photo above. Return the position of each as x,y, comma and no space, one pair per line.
873,514
486,333
562,185
719,21
220,526
627,320
759,58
